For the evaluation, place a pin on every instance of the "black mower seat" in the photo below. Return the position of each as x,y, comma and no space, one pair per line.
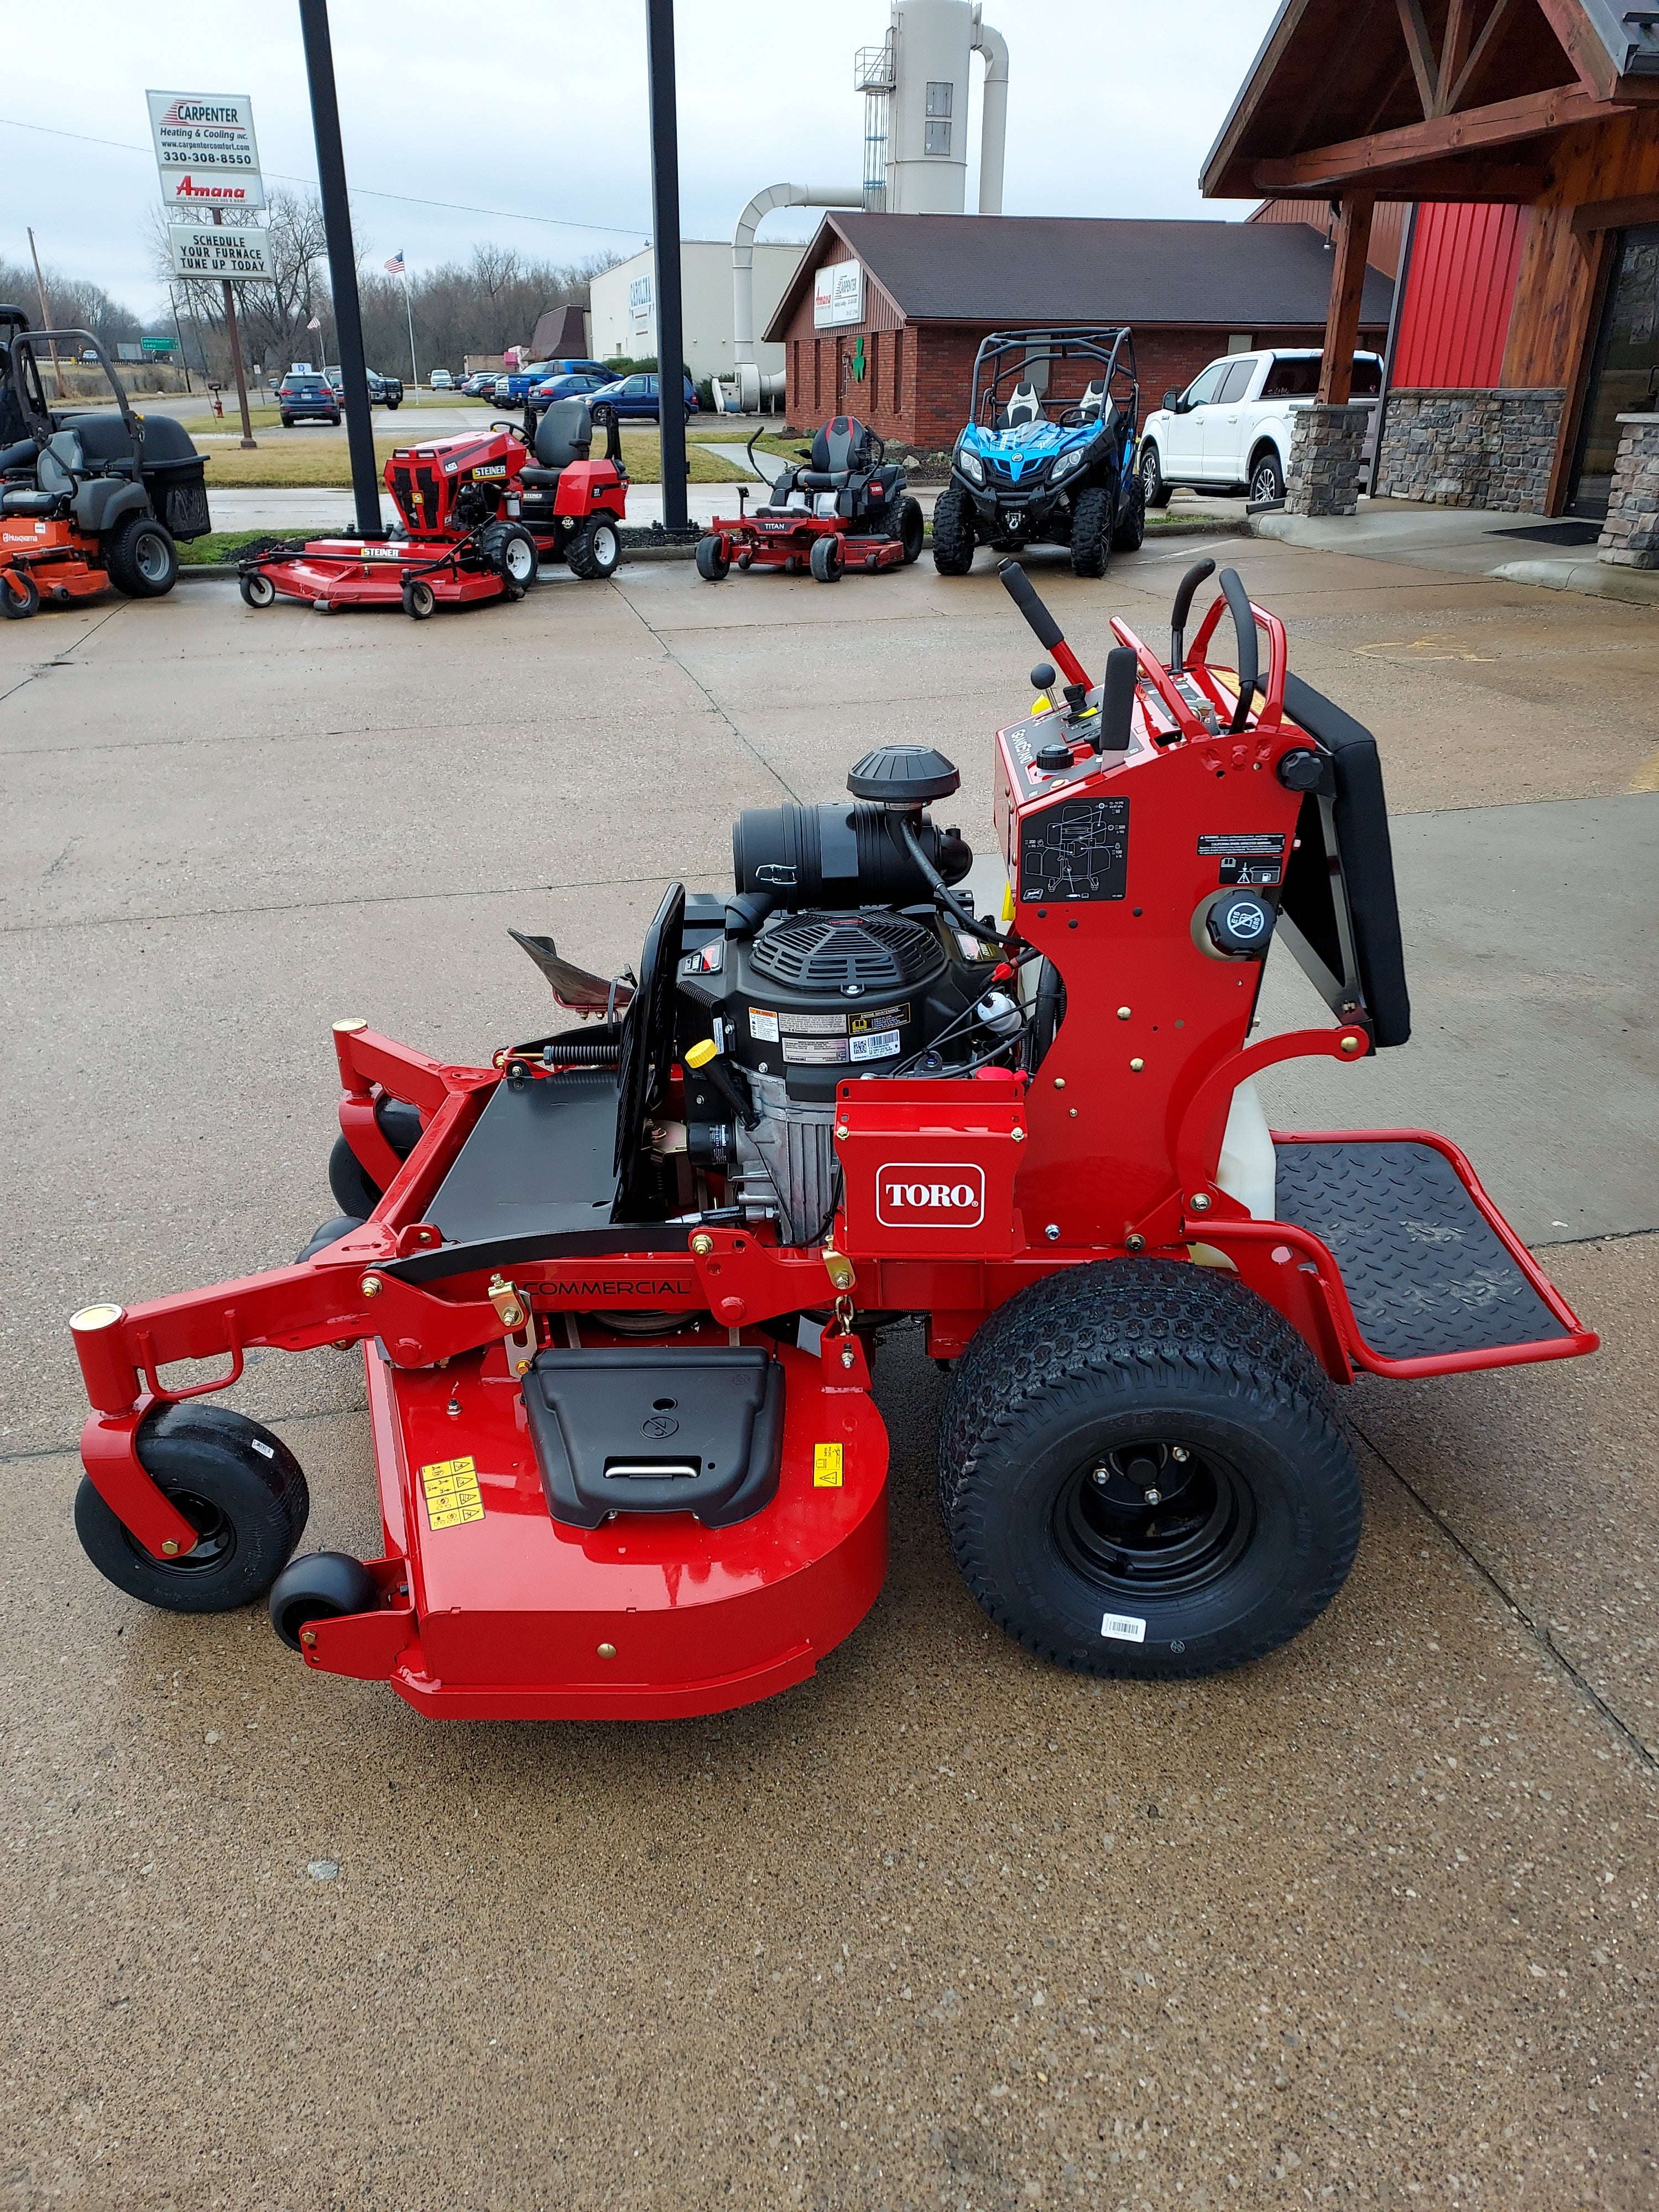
565,433
540,1160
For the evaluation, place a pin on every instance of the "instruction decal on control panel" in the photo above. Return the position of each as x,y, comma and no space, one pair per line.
1252,856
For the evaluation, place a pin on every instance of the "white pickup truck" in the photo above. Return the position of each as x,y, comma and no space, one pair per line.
1232,425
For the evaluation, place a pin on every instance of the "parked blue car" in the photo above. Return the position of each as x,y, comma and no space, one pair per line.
514,388
635,398
582,385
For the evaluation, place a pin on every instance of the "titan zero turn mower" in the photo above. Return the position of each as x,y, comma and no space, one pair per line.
618,1291
476,514
849,507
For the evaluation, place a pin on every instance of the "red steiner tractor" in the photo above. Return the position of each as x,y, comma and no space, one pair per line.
846,509
476,513
619,1289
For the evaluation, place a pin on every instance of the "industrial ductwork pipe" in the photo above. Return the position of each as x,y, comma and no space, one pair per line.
751,385
994,117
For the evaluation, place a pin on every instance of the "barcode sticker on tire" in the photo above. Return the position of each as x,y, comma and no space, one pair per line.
1124,1628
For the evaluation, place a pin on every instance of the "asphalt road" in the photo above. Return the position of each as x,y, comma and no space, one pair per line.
1372,1923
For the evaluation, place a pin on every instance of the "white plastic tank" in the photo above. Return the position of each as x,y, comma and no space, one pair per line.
927,118
1247,1169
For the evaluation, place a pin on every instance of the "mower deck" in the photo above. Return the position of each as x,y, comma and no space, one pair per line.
351,572
648,1617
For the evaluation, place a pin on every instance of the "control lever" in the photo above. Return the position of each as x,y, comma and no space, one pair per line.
1238,606
1183,607
1117,699
1047,630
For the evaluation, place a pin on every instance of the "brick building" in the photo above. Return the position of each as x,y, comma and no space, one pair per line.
893,341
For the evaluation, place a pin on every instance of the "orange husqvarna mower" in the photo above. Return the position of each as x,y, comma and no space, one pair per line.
619,1288
476,513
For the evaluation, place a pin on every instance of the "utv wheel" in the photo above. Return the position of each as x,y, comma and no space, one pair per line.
595,549
140,558
237,1484
954,535
1266,478
827,561
902,520
323,1586
20,596
1131,531
419,599
257,590
714,560
1092,532
1142,1472
1155,493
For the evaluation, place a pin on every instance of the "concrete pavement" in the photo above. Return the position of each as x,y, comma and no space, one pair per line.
1518,548
1372,1923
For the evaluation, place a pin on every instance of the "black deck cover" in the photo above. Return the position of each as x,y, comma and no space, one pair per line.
539,1158
1424,1269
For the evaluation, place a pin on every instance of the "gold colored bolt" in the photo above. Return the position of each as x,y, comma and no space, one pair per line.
1135,1066
607,1650
512,1316
703,1244
169,1547
308,1638
1200,1202
350,1026
1351,1044
371,1286
1059,1083
1134,1243
841,1130
1123,1013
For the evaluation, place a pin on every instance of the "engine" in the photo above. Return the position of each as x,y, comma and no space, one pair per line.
841,953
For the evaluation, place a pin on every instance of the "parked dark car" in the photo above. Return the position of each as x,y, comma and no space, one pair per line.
480,384
635,398
307,395
383,391
579,385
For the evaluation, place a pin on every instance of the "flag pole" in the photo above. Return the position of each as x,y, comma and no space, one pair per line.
414,370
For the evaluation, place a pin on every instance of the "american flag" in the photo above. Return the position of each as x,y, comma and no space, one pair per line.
395,267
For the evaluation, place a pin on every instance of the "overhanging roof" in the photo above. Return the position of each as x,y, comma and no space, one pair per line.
1015,271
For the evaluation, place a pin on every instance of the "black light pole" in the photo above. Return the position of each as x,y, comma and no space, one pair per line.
665,221
342,263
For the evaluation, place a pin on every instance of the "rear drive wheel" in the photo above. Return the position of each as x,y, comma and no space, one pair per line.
20,596
1143,1473
714,559
1154,491
954,535
140,558
828,558
419,600
595,549
257,590
1131,529
239,1486
902,519
323,1586
1092,532
1266,477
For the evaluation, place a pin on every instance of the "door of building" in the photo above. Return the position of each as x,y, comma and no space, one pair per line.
1624,373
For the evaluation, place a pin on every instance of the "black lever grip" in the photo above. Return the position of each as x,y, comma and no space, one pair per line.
1022,593
1117,697
1183,607
1238,606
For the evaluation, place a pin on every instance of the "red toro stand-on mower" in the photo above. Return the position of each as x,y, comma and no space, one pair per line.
476,513
619,1289
845,509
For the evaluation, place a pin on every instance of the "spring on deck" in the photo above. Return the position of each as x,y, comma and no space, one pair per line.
581,1052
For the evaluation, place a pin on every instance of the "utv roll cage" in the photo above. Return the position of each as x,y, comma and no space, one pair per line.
1004,356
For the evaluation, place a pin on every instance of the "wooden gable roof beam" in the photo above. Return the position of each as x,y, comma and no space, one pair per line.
1505,123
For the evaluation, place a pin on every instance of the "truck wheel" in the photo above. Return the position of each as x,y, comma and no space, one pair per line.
239,1486
19,595
392,405
954,538
257,590
140,558
1143,1473
1154,491
714,560
323,1586
1266,477
1092,532
826,561
1131,531
595,549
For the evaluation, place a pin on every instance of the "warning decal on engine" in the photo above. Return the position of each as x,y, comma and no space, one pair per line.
834,1040
452,1492
1247,857
826,1466
762,1026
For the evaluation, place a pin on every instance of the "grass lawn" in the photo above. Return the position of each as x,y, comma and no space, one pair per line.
226,545
322,460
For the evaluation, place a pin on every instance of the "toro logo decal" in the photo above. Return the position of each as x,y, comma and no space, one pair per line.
930,1194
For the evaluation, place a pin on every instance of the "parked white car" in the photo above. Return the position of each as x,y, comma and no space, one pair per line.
1232,425
441,381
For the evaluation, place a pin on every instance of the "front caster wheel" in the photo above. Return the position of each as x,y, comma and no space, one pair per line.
20,596
714,560
826,560
322,1586
1143,1473
419,600
257,590
239,1486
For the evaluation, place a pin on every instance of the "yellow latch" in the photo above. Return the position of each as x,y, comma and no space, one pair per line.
840,1269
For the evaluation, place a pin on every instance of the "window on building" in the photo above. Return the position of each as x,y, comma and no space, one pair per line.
939,96
936,138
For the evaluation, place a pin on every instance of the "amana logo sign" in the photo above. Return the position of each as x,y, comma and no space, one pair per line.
934,1195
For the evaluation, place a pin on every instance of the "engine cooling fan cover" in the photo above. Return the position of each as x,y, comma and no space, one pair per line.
835,952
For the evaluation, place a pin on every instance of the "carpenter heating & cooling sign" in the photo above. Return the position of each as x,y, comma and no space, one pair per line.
838,295
205,150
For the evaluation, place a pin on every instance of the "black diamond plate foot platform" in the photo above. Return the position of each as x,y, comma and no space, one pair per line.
1424,1271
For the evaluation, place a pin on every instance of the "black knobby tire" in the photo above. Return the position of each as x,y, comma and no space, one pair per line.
511,551
323,1586
1092,532
714,560
1169,1380
1154,492
955,537
140,558
19,595
901,518
238,1485
827,560
1131,529
596,548
1266,478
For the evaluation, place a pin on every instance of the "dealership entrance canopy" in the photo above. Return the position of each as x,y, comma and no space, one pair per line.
1527,133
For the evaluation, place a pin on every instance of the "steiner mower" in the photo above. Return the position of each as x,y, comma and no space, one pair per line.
618,1288
476,513
846,509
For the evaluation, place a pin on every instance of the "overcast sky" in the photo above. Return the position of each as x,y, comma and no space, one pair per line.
540,121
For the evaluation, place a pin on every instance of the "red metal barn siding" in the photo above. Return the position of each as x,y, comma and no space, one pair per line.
1456,315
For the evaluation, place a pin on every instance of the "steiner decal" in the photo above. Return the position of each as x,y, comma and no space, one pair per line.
930,1194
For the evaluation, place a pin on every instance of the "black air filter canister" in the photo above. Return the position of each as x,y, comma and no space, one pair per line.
811,856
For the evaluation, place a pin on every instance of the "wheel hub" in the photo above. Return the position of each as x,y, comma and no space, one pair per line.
1153,1518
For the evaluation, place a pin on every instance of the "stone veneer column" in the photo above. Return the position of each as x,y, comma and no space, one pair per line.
1630,536
1323,474
1482,447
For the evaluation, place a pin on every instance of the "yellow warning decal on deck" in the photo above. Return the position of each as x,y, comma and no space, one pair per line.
452,1492
826,1466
